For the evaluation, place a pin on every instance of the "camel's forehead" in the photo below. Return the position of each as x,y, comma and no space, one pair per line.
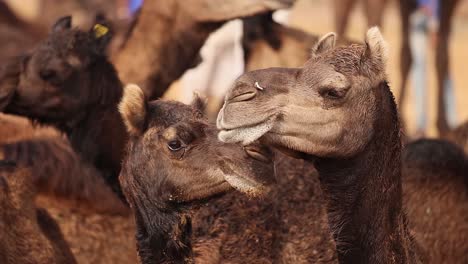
65,41
342,59
168,113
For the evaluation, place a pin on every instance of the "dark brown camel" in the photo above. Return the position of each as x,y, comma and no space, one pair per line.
175,163
27,234
373,10
442,63
338,88
68,82
168,34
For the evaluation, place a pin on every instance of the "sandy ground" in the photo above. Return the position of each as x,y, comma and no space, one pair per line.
316,16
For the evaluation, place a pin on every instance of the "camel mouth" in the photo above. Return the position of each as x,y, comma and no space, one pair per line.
259,153
247,134
245,185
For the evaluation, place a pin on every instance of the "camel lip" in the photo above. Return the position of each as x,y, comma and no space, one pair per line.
246,185
248,133
259,153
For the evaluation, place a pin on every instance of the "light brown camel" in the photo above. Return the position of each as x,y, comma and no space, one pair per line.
167,35
175,163
373,10
27,234
442,63
339,88
338,112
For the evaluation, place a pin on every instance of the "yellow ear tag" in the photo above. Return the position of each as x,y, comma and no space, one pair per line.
100,30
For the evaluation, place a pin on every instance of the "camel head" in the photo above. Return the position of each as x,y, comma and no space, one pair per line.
59,73
174,155
326,108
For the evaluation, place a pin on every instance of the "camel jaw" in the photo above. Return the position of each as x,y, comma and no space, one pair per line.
247,134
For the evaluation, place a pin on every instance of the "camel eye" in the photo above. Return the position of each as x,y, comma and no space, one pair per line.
330,93
174,145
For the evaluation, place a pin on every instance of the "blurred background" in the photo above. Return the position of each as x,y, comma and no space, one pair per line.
316,17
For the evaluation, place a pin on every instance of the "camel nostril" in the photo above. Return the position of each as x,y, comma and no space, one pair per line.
47,74
244,96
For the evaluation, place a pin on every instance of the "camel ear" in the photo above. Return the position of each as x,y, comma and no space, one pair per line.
62,23
327,42
199,102
133,109
102,33
376,47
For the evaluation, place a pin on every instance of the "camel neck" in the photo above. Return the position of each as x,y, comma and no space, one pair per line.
99,135
365,198
163,237
171,41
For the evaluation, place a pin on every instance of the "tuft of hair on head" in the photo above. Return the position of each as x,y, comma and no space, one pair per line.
325,43
133,109
199,102
376,46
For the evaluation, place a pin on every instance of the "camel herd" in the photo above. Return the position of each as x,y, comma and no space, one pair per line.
305,163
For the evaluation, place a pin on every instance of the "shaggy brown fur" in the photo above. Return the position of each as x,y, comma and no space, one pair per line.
27,234
435,187
58,170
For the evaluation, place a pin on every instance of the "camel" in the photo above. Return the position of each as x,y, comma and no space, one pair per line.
175,164
28,234
65,74
339,87
446,10
167,35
